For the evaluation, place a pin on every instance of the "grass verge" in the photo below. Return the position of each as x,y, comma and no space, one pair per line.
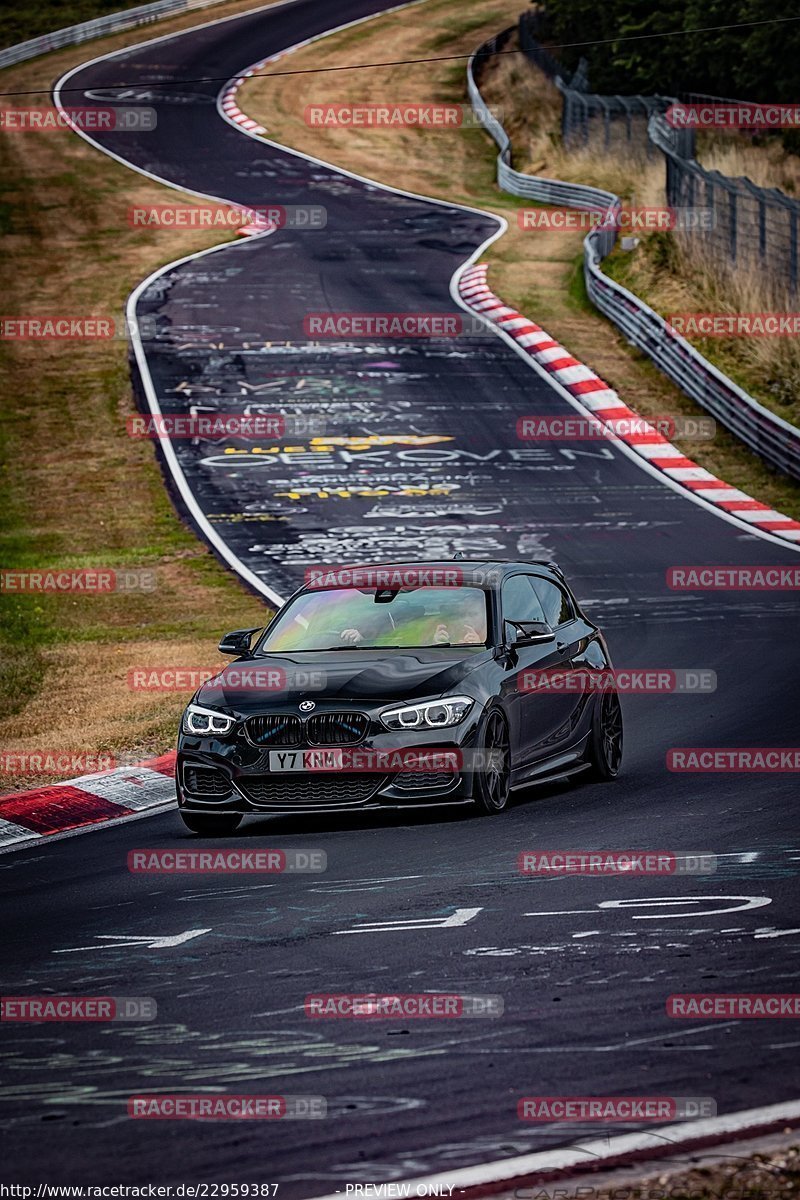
75,490
727,1173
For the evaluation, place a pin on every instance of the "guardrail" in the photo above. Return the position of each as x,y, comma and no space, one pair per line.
73,35
772,438
532,187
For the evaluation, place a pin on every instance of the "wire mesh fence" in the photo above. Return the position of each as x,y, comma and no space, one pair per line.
749,226
586,116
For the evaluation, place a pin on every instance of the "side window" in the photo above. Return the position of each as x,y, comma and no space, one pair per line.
519,600
557,608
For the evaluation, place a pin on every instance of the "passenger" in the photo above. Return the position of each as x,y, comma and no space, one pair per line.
469,625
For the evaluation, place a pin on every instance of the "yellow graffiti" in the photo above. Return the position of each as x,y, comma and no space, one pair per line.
324,445
348,493
379,439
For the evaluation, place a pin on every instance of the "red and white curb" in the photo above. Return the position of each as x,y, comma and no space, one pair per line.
228,105
604,404
258,224
587,1156
87,800
231,108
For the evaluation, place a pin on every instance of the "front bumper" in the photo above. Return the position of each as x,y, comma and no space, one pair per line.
231,775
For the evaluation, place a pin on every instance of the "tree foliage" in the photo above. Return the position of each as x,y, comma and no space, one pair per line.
755,63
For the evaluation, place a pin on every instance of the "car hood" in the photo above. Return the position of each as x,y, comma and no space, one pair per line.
273,680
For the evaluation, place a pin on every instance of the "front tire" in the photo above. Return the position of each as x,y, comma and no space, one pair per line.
605,740
212,824
492,782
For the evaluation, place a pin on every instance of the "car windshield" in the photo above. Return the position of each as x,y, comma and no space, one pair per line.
371,619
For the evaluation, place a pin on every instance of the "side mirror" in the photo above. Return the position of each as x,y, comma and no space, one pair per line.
529,633
237,642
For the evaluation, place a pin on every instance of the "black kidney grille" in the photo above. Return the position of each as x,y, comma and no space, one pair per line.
275,730
336,729
312,790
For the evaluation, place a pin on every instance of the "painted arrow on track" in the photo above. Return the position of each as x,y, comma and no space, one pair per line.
150,941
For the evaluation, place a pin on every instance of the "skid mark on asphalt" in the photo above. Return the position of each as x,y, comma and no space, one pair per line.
166,1061
225,893
478,1148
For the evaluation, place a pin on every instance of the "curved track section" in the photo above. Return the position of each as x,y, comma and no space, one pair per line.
420,445
583,971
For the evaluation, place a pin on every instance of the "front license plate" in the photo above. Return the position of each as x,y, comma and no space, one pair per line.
305,760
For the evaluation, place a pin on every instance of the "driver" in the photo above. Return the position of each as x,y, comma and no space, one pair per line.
374,627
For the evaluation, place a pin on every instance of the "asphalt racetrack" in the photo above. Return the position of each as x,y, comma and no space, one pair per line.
584,965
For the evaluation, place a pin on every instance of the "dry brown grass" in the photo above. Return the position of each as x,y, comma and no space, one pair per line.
77,491
438,162
764,161
531,108
82,493
676,276
672,274
90,686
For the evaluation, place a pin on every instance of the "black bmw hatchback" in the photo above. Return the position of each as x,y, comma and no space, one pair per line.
401,684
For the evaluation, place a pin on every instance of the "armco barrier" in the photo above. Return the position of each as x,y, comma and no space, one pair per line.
73,35
532,187
772,438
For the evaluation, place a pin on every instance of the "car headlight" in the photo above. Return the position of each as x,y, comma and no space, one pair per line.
433,714
201,720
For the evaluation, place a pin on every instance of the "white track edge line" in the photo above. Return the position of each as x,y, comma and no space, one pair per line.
225,89
169,454
578,1155
486,1171
386,187
168,450
175,468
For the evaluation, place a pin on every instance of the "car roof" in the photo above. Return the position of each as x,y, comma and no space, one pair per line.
500,567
